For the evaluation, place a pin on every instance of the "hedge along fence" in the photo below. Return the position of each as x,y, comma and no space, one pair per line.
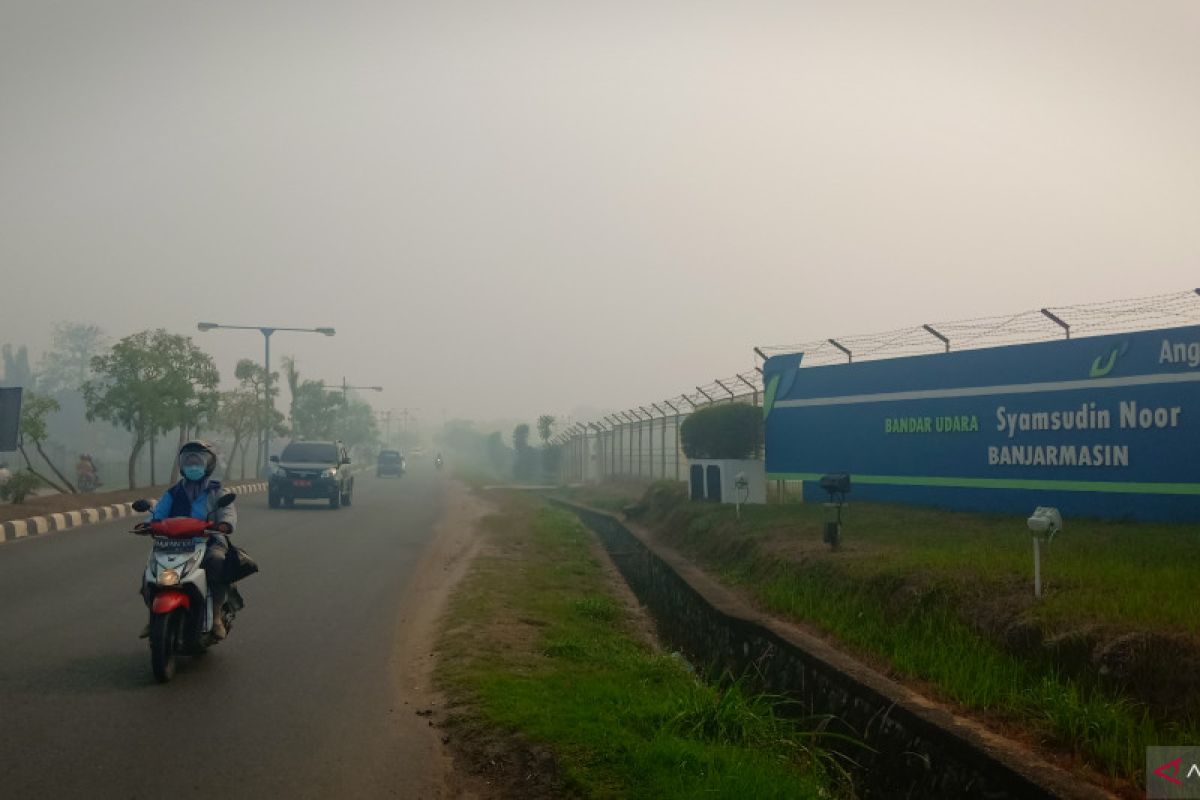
730,431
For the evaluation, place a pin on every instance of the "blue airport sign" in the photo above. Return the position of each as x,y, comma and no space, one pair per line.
1102,426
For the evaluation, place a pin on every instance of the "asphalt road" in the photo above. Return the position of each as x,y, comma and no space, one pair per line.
300,701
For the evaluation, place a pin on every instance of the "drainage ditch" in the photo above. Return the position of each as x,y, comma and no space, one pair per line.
912,748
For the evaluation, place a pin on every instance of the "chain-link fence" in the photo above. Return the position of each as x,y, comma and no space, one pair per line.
643,442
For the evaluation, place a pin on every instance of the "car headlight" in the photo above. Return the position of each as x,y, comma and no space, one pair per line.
168,577
328,473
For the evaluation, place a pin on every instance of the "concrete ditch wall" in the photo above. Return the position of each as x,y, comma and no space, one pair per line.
915,749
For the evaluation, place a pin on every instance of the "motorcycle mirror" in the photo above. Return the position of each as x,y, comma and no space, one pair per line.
140,505
226,499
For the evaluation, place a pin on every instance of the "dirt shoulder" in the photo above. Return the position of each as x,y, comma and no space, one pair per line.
444,563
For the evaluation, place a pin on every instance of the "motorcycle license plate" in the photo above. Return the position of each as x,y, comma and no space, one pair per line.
174,545
301,483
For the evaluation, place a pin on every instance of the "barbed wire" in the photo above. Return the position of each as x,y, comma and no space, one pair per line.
1112,316
1045,324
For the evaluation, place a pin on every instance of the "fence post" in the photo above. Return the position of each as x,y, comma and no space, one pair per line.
662,441
678,426
614,448
641,430
650,459
671,406
630,427
753,389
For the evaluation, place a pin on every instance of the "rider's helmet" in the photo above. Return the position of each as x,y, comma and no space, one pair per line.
197,460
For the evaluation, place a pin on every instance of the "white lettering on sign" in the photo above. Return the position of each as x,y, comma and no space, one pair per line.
1100,455
1180,353
1086,417
1133,416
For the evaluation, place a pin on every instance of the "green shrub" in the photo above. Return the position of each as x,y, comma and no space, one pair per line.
725,431
20,486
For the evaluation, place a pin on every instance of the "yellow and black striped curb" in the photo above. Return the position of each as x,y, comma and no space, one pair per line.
35,526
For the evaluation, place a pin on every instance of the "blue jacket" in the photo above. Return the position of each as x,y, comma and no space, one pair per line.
175,503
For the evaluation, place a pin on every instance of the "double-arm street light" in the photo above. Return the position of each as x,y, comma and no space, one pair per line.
266,332
346,388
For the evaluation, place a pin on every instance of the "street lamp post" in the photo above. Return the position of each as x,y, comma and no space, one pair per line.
266,332
345,388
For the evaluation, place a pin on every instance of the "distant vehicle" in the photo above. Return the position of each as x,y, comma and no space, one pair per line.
311,471
438,463
391,462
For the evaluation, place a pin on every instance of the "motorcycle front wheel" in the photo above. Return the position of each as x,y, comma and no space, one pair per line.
165,632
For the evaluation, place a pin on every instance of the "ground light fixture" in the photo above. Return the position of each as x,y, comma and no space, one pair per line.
1044,522
742,486
837,486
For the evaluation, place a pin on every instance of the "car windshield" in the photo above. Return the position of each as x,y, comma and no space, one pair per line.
389,455
310,451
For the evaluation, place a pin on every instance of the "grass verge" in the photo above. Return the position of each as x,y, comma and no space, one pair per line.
944,600
538,647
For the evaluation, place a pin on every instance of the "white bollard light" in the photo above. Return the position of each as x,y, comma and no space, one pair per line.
1044,523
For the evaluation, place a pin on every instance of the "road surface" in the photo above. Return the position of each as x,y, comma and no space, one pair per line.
302,700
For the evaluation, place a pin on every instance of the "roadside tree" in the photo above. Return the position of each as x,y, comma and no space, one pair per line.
34,410
17,371
148,382
67,365
315,411
237,415
545,428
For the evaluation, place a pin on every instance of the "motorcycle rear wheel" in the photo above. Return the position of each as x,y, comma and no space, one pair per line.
165,632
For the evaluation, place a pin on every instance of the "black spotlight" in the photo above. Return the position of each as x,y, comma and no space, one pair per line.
837,486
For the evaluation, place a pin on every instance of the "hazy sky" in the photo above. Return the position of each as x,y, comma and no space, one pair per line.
507,208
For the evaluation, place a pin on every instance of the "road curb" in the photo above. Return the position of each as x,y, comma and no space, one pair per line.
65,520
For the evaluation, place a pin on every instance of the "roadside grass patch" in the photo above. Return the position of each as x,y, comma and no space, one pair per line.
933,595
620,719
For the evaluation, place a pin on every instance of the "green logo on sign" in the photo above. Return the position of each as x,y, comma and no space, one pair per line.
1101,367
769,396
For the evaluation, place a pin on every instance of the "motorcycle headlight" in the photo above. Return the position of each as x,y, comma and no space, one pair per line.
168,577
328,473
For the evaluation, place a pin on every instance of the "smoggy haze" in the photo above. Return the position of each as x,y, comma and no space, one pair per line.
512,208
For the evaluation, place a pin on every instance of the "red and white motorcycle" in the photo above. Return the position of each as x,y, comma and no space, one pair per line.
181,607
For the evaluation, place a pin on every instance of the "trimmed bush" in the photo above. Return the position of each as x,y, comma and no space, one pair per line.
727,431
20,486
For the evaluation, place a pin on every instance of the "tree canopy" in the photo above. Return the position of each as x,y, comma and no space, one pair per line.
722,431
150,382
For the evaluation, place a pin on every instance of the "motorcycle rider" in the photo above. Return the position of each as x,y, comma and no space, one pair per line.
195,495
85,472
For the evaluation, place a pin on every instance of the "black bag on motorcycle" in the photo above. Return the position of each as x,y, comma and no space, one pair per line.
238,564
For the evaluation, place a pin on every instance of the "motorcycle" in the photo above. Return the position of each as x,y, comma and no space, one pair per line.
88,481
438,462
181,612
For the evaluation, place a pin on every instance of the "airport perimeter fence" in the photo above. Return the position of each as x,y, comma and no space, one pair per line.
643,442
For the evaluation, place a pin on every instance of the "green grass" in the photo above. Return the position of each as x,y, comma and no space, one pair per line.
909,583
609,496
538,645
